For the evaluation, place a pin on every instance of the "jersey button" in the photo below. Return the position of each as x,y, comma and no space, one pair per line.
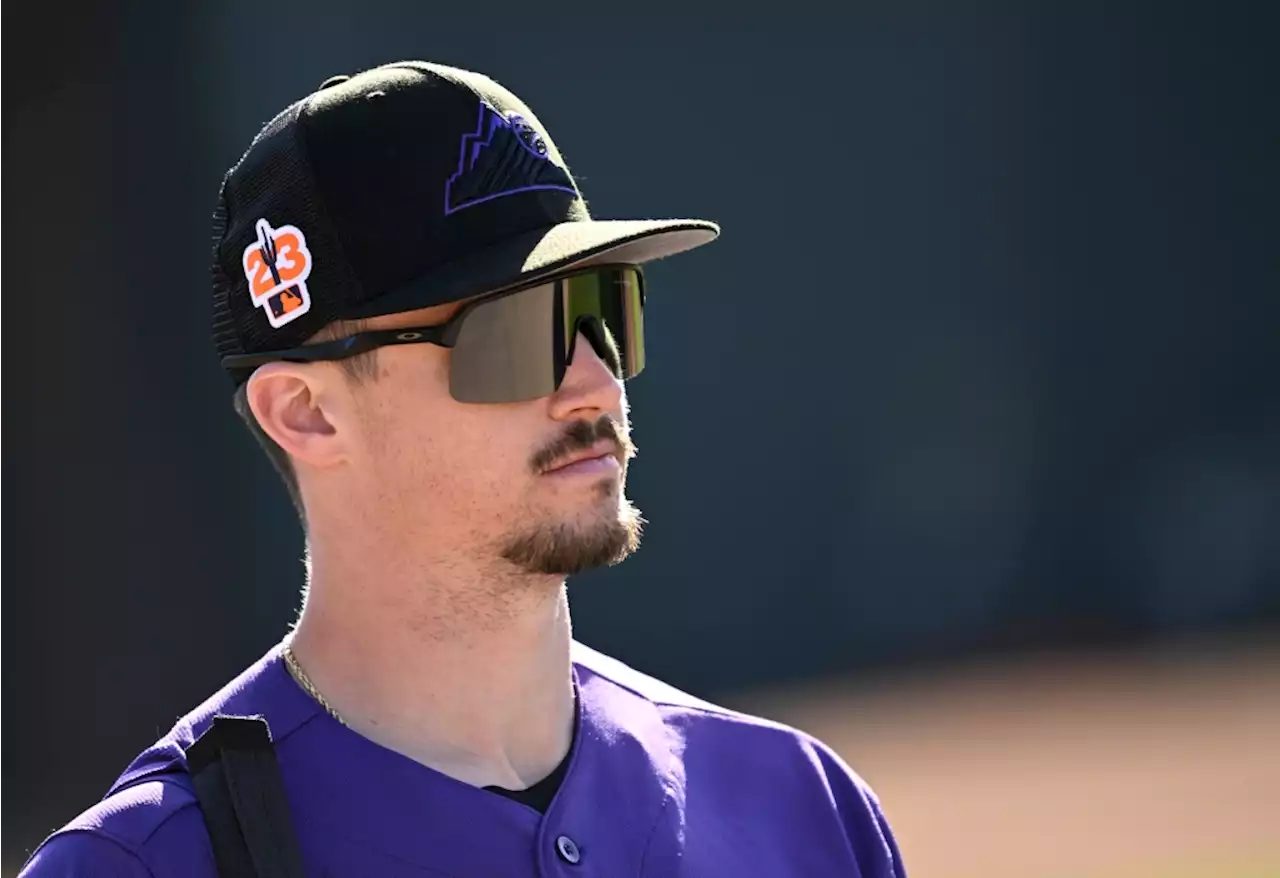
568,850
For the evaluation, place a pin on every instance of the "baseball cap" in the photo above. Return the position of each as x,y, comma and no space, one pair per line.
409,185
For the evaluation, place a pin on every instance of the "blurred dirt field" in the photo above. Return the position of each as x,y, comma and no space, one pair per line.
1155,766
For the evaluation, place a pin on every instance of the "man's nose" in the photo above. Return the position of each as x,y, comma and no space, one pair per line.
589,385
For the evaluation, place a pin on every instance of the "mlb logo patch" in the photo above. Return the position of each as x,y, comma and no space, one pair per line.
277,266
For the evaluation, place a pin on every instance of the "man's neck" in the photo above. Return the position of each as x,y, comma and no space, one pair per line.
468,674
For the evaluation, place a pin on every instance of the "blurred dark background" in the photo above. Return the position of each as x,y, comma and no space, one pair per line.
984,364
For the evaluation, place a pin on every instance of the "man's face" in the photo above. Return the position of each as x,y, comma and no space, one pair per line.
496,479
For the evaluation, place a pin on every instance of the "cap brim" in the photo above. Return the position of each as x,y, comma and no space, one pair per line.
543,253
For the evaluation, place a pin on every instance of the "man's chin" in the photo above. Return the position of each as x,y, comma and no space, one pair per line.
565,549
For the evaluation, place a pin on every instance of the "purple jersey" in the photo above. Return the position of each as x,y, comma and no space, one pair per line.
658,783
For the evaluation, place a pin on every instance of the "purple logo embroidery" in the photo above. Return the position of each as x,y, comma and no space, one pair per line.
503,156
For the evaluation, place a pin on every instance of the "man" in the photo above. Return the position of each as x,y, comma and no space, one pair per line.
430,336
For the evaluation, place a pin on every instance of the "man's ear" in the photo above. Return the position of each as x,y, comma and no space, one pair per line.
293,405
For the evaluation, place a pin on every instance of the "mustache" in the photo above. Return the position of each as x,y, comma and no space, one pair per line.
582,435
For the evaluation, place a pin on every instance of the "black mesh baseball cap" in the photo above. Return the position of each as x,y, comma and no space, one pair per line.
408,185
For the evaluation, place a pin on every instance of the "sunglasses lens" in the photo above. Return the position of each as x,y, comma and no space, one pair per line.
503,352
607,307
516,347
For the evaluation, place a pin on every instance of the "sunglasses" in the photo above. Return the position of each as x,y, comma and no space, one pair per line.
514,345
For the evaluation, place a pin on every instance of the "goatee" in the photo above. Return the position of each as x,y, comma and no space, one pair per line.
560,549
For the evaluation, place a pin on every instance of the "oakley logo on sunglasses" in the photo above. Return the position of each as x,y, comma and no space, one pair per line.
505,155
277,266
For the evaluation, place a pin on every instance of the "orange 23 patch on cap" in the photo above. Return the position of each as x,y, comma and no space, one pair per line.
277,266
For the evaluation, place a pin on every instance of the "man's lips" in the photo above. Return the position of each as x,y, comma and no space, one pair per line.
600,458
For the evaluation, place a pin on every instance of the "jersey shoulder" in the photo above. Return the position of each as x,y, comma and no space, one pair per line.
151,817
715,724
620,674
153,828
777,770
77,854
667,697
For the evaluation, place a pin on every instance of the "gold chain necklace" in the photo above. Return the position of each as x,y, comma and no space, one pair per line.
300,676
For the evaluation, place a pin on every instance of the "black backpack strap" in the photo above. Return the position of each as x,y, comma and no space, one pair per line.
241,792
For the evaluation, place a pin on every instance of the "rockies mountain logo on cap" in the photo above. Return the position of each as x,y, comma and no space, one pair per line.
505,155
